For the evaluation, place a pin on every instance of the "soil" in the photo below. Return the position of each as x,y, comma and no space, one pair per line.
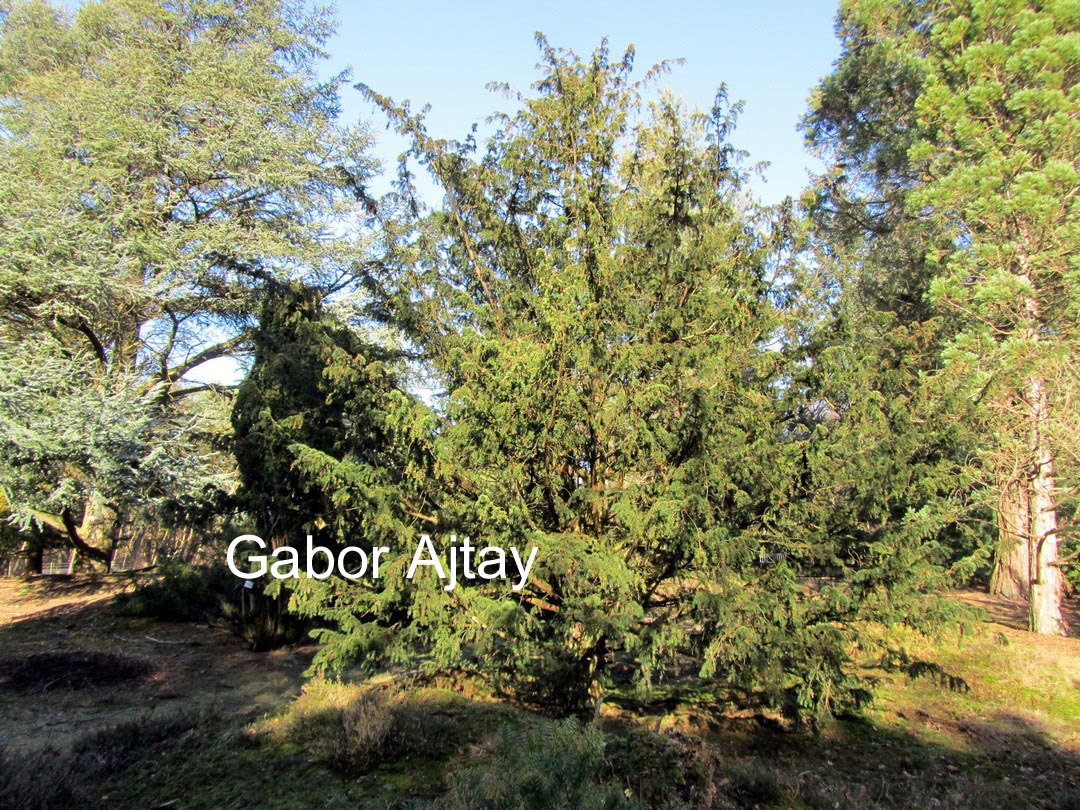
69,665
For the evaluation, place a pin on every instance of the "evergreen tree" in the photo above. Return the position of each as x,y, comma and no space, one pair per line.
593,295
329,444
1000,119
314,417
869,115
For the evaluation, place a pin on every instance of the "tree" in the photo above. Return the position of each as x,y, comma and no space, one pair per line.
327,444
593,298
159,163
315,427
862,299
1000,118
73,445
871,116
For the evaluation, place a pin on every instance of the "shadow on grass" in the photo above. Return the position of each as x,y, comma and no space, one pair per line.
36,588
415,744
1002,761
1013,613
78,667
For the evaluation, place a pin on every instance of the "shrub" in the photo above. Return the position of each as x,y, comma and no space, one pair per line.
541,765
662,770
190,593
38,781
112,749
353,728
343,726
182,593
49,779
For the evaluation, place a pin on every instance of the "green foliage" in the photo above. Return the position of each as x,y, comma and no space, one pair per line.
329,444
550,764
954,127
77,446
158,164
595,307
317,426
593,298
181,592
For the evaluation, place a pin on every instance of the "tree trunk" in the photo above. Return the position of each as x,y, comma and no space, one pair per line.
1012,567
1047,582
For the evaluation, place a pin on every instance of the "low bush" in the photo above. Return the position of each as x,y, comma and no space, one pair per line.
39,781
111,750
353,728
181,592
540,765
662,770
340,725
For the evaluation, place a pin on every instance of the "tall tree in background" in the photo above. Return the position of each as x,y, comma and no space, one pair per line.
863,301
1000,121
893,147
158,163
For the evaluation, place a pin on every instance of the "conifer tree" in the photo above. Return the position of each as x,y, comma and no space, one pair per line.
1000,122
594,302
872,115
315,423
159,162
328,444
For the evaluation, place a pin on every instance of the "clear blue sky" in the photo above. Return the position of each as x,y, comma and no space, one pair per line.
770,53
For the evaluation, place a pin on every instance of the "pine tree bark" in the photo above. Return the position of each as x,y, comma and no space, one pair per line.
1047,582
1012,567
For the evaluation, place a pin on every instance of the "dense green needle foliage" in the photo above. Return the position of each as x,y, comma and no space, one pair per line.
1000,124
594,297
321,427
951,206
745,442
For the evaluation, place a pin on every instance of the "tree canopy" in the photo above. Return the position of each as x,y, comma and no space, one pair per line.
159,164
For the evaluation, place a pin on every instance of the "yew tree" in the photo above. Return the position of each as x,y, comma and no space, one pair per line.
592,301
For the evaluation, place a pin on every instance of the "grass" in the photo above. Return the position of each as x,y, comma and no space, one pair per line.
996,723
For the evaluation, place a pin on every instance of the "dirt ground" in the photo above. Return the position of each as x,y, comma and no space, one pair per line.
1009,737
194,667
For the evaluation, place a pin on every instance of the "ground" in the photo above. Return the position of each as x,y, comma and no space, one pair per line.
181,715
194,667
